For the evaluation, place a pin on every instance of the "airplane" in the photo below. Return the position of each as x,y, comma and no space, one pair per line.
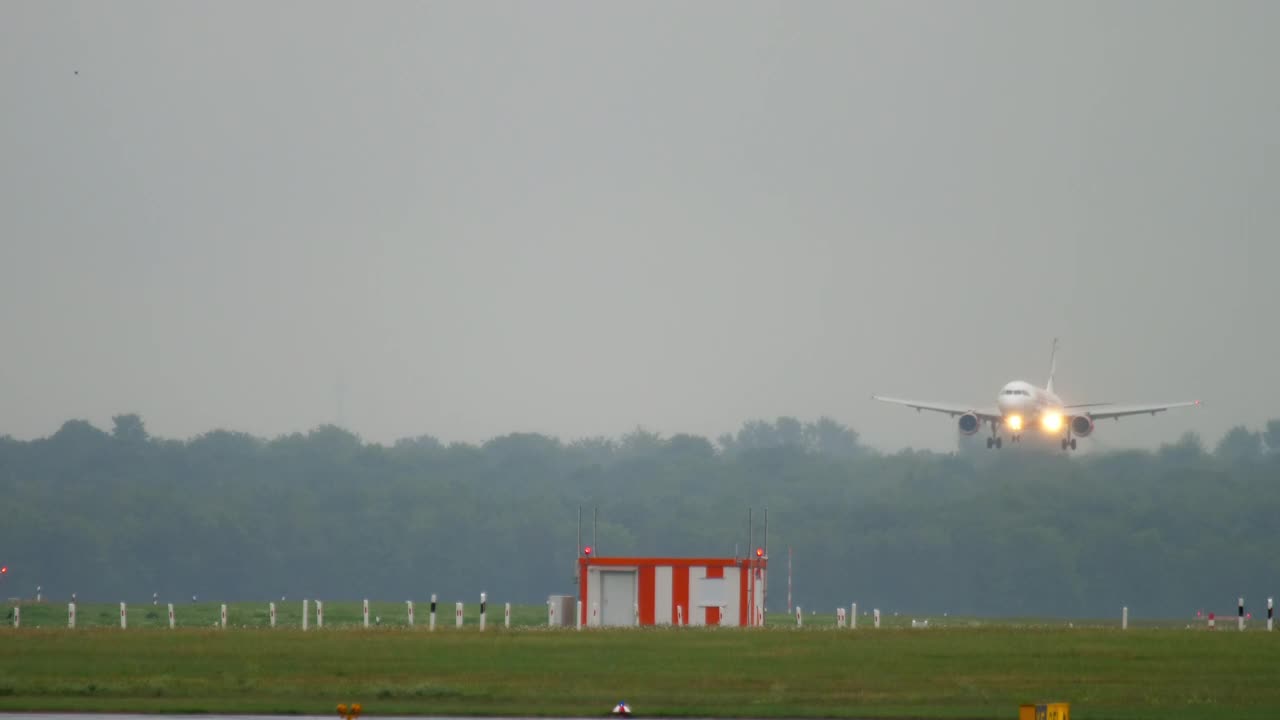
1021,405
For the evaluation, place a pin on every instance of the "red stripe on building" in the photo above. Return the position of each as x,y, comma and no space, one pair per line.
582,589
680,593
743,611
673,562
647,602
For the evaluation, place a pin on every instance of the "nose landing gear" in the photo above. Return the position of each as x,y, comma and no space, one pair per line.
994,441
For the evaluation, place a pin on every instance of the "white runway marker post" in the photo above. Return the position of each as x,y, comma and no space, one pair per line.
71,616
17,616
551,614
839,617
271,610
506,615
172,619
578,615
432,621
457,615
595,614
409,604
124,617
679,615
1240,615
306,614
319,614
1124,618
222,617
853,616
875,618
484,606
799,617
364,612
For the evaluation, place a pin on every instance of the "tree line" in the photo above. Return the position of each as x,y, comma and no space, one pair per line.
120,514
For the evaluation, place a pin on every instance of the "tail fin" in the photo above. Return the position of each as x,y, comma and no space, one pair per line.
1053,365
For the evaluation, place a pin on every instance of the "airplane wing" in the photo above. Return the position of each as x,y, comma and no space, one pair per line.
1119,411
952,410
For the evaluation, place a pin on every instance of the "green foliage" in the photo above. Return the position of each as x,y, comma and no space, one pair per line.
227,516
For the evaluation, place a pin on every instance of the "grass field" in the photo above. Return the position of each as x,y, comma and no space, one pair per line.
957,669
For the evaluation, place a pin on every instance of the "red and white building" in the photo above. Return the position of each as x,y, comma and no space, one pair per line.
628,591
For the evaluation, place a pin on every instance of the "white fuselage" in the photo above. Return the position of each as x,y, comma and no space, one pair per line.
1023,406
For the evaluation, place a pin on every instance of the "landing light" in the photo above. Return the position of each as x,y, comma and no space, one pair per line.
1052,422
1015,422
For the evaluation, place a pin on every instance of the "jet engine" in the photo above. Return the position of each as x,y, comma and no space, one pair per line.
1081,425
969,423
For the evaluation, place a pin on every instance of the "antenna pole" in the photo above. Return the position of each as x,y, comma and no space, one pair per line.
751,577
764,590
789,579
595,522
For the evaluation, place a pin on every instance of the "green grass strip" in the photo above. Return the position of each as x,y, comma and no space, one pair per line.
942,672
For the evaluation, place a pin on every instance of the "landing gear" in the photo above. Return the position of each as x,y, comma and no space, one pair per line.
1068,443
994,442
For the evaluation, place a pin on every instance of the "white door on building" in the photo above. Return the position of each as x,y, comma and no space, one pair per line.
617,597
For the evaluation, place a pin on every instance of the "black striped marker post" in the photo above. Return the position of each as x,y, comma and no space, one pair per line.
1240,614
484,601
1270,605
432,623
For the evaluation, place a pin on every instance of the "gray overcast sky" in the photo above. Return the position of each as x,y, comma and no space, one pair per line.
466,219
